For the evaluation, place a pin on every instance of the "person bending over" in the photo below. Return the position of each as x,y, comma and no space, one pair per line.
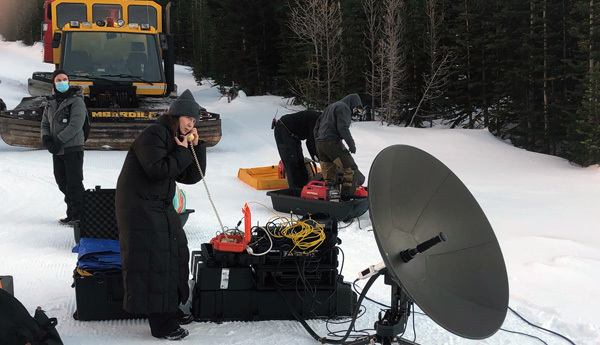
331,128
289,132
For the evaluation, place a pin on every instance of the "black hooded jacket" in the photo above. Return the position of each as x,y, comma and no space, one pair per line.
301,125
153,244
334,123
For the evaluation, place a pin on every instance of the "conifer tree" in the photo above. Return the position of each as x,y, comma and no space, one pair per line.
583,132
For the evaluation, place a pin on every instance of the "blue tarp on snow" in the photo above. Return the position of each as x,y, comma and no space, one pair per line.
98,256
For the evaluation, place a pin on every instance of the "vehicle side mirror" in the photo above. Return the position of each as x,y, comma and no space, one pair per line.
163,41
56,39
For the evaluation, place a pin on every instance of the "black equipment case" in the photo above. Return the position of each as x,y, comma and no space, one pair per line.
6,284
257,305
275,286
289,200
268,293
98,216
99,297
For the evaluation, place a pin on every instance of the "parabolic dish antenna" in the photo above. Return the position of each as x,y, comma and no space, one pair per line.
462,283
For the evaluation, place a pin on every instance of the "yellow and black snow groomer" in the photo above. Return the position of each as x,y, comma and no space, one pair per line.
119,53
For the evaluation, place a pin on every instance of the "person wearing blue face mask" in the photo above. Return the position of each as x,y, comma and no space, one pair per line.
62,135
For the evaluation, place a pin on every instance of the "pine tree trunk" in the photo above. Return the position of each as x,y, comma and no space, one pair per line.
545,87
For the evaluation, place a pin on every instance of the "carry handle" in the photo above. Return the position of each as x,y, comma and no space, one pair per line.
316,183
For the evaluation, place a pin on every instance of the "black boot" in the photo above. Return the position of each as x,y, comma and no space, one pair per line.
177,334
65,221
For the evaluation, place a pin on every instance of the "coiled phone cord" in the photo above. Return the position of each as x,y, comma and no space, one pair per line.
191,146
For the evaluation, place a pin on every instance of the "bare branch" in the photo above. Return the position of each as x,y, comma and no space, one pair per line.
318,23
439,62
372,77
392,57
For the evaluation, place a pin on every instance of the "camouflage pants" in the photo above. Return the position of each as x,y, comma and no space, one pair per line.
333,155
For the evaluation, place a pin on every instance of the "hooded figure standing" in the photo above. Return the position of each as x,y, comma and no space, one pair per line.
332,127
290,130
62,135
154,250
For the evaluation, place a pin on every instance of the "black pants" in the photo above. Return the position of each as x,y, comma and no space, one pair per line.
68,173
290,152
163,324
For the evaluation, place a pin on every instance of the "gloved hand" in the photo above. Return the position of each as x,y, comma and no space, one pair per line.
352,148
53,146
46,139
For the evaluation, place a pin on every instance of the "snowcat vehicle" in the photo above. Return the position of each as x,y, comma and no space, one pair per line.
122,55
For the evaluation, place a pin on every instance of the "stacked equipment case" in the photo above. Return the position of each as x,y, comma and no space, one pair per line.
278,285
99,297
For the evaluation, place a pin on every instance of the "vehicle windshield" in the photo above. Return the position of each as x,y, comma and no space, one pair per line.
130,57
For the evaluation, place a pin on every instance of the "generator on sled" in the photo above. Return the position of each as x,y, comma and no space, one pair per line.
320,190
321,197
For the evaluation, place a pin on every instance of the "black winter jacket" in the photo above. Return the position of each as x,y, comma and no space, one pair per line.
334,123
302,125
153,244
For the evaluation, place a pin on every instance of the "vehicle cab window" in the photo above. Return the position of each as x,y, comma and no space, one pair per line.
142,14
67,12
103,11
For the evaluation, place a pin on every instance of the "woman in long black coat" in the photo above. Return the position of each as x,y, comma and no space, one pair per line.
154,250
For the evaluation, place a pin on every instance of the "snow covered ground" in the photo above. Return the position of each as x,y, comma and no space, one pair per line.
544,212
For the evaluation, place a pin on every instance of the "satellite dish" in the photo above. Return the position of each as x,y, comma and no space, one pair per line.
462,283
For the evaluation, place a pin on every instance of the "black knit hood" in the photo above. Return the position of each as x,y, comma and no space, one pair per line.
185,105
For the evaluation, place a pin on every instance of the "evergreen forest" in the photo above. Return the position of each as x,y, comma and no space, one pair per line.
527,70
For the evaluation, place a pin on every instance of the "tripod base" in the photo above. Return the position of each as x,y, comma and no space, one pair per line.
393,321
383,341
